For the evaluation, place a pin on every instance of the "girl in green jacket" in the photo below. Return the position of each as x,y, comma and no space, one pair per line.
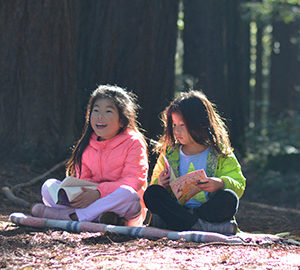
195,137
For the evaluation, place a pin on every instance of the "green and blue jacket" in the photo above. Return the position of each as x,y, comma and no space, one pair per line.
226,168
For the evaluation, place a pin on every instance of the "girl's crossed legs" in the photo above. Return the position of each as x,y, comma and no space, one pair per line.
222,206
124,201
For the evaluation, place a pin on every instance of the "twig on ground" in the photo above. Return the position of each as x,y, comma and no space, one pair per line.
17,187
15,200
9,192
275,208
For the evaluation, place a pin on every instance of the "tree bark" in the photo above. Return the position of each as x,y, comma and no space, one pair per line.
285,69
38,82
213,53
131,44
258,97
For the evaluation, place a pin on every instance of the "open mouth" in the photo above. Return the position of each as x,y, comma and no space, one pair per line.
100,126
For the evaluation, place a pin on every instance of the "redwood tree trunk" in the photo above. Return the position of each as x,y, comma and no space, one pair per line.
38,83
215,46
285,69
132,44
258,97
56,52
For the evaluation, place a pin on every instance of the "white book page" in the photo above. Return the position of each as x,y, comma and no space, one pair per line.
71,181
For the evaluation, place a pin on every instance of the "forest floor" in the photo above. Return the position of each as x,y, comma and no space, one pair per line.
30,248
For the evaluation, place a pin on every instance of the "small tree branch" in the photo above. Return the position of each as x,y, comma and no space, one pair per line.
9,193
275,208
17,187
15,200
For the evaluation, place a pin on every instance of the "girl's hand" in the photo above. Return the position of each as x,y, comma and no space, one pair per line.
212,184
164,178
87,197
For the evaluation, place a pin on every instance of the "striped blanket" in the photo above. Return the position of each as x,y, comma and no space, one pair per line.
142,232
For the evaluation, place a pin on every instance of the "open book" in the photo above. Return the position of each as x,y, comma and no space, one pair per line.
187,186
69,189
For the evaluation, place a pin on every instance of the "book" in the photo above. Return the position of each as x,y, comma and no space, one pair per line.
69,189
187,186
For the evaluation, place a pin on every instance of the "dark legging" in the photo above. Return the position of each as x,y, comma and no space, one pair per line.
221,206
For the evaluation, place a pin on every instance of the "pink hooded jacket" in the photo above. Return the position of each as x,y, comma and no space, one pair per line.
121,160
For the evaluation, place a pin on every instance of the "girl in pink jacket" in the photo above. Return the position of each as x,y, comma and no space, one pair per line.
112,153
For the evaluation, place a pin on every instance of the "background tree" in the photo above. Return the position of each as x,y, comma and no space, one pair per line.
274,127
285,68
38,78
258,95
214,54
132,44
56,52
275,73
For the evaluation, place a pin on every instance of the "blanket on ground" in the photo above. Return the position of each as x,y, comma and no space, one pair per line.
143,232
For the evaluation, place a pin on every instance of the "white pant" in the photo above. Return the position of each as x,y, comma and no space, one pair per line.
124,201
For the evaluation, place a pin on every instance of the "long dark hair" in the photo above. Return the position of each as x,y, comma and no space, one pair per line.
127,108
202,120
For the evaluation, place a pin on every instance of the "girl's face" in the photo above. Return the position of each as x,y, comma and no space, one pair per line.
105,119
180,130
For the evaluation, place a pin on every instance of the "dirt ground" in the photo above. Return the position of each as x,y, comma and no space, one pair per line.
29,248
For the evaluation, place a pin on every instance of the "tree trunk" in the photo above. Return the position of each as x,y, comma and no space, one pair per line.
213,53
235,107
38,83
244,64
285,69
203,45
258,97
56,52
131,44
